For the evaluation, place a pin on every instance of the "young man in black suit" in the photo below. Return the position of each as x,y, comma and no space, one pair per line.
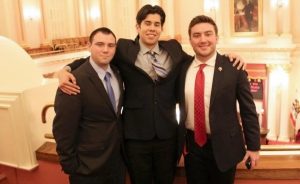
150,69
212,155
87,126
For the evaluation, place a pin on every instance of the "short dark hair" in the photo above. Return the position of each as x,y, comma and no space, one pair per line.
103,30
149,9
202,19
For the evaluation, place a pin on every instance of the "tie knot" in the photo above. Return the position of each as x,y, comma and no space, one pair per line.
107,76
151,53
202,66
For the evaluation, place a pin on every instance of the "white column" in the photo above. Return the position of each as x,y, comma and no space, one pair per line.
278,107
284,108
272,104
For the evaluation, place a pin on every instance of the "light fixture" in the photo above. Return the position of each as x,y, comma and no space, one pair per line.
31,13
282,3
211,6
94,13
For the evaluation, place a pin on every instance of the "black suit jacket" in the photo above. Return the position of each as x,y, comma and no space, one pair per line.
149,106
86,128
228,137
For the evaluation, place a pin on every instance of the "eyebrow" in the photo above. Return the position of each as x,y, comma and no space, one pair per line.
148,21
203,32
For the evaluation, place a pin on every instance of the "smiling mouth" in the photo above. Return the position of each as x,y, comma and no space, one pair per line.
203,47
151,35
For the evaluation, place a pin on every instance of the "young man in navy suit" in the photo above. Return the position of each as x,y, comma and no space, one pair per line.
150,126
87,127
212,155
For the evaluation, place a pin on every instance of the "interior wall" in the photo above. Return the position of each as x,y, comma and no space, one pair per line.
295,4
71,18
185,11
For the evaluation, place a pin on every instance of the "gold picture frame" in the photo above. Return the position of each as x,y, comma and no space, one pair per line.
246,17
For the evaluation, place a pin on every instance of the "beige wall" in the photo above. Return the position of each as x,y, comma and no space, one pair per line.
295,20
70,18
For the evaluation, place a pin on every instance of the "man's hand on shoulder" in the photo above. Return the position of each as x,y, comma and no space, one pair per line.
237,61
67,82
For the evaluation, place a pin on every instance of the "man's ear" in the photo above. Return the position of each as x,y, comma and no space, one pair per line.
89,44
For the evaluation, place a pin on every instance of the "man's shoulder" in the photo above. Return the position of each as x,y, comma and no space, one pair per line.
169,42
81,59
172,46
225,62
223,58
82,69
122,41
228,65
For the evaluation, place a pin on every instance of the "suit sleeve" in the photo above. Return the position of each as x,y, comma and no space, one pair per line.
76,63
65,129
248,113
185,58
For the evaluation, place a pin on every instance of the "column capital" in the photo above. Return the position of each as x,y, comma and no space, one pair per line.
273,67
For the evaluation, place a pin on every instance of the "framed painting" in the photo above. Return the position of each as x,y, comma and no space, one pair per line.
246,17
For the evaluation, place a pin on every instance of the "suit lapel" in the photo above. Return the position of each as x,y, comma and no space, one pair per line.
120,82
175,57
133,51
132,54
94,78
217,79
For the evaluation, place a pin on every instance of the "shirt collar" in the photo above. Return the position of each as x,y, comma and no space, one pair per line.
100,71
211,62
144,50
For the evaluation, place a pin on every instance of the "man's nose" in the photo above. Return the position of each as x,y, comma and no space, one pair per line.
152,27
202,38
105,48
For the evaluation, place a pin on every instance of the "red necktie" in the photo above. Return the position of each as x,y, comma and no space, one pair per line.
199,111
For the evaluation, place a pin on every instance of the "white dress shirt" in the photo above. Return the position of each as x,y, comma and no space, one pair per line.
190,89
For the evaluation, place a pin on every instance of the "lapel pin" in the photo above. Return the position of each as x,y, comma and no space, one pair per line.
220,69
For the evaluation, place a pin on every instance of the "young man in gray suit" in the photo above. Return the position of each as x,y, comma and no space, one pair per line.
87,126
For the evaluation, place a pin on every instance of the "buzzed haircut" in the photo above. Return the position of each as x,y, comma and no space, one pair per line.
103,30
